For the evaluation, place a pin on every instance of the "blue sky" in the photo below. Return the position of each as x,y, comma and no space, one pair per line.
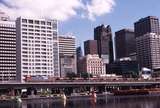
124,14
79,17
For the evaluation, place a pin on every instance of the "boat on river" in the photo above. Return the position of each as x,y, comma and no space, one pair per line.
137,92
131,92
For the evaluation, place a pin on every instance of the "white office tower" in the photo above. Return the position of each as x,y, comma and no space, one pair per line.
37,48
7,48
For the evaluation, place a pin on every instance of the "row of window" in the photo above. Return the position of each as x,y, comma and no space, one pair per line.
8,68
8,35
37,37
32,30
34,42
13,48
37,34
36,72
36,27
3,63
33,59
7,38
37,40
36,22
37,56
8,55
7,42
8,32
7,25
3,51
29,50
36,47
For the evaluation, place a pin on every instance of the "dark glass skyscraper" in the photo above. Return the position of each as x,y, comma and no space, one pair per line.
103,35
79,55
125,43
79,52
90,47
148,42
146,25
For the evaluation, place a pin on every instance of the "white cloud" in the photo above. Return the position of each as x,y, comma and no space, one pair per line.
59,9
98,8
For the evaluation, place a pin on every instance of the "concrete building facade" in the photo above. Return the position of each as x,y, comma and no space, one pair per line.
92,64
67,55
7,48
36,48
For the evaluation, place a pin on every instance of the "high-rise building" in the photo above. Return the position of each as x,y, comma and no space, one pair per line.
103,35
36,48
7,48
79,55
146,25
148,50
67,55
79,52
148,42
90,47
125,44
92,64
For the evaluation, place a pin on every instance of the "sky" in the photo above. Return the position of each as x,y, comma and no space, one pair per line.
80,17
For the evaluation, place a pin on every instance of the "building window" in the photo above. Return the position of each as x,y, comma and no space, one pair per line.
31,21
43,22
36,26
24,25
48,23
24,20
36,22
54,25
31,26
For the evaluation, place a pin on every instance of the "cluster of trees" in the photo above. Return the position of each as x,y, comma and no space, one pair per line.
85,75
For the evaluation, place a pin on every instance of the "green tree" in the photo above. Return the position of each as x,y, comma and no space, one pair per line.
86,75
71,75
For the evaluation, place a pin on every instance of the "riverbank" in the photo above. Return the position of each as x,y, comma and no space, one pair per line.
74,97
59,97
148,101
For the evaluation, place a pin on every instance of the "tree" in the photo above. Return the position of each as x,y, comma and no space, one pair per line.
71,75
133,74
86,75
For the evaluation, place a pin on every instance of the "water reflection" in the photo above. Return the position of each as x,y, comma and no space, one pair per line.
109,102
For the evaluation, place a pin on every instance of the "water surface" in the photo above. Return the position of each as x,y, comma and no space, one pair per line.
103,102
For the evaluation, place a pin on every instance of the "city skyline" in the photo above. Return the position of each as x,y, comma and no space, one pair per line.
118,15
38,26
122,16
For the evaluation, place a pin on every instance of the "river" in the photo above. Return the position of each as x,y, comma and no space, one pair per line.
102,102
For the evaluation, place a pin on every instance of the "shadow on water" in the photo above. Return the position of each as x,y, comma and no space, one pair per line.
103,102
